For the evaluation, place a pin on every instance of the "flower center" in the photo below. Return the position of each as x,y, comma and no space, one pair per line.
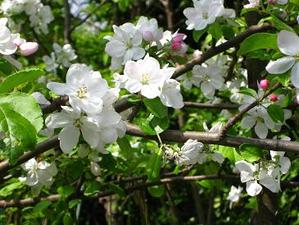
129,45
205,15
145,78
77,123
82,92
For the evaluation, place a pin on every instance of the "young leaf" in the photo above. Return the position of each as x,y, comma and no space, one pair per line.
276,113
156,107
250,152
20,77
258,41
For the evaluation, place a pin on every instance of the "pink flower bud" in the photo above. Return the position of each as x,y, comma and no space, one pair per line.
177,41
273,98
148,36
264,84
28,48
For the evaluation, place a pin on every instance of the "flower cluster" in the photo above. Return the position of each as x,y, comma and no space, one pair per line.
266,173
11,42
146,76
90,112
60,58
206,12
258,116
40,15
39,174
193,152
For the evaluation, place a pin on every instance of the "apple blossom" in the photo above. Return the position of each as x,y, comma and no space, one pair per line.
124,45
7,45
149,29
50,62
84,87
28,48
39,174
146,76
234,194
205,12
65,54
288,44
191,153
282,161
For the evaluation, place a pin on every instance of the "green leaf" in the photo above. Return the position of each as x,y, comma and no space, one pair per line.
73,203
26,106
278,24
258,41
276,113
67,219
248,91
65,191
153,125
159,125
196,34
215,30
20,131
156,107
20,77
10,188
154,165
249,152
40,207
156,191
125,147
5,68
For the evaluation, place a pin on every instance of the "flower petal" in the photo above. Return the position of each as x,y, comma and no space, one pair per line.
253,188
281,65
68,137
288,43
261,130
295,75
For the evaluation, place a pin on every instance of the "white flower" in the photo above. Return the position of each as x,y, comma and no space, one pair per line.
40,16
288,44
252,4
248,174
97,130
64,54
208,77
259,119
50,61
255,175
149,29
171,95
204,13
191,153
282,2
40,98
234,194
39,174
124,45
84,87
146,76
7,45
282,161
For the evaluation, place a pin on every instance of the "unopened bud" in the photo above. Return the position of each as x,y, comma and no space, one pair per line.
28,48
264,84
273,97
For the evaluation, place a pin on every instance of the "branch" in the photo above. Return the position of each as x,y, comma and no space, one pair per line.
67,22
220,48
56,197
214,138
211,106
239,116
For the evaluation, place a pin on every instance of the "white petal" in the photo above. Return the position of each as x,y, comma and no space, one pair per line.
150,91
248,122
281,65
58,88
253,188
288,43
68,137
171,95
261,130
295,75
246,170
270,183
285,164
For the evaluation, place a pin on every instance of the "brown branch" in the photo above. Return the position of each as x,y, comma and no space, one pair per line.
214,138
211,106
67,22
239,116
169,14
220,48
56,197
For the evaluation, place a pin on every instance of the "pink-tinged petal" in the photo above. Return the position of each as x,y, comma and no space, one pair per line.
281,65
133,86
288,43
295,75
28,48
253,188
68,137
115,48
